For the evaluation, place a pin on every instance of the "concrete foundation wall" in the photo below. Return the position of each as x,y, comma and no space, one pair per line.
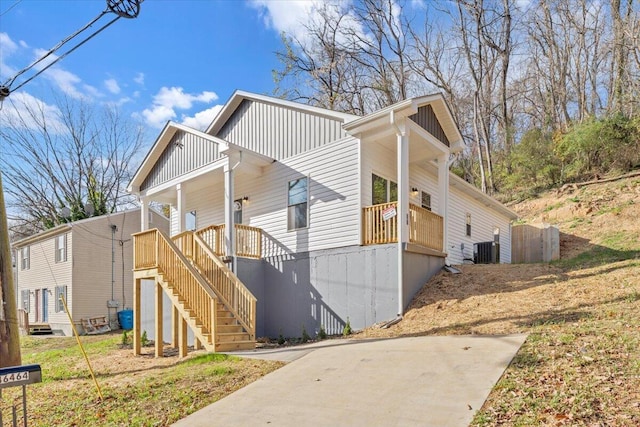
418,269
327,287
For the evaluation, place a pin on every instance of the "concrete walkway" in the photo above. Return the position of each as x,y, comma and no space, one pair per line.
418,381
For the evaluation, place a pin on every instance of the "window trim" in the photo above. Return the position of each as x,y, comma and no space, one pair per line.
389,185
59,306
61,250
306,203
25,261
422,204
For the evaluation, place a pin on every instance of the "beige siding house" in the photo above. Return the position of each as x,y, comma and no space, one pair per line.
312,216
89,262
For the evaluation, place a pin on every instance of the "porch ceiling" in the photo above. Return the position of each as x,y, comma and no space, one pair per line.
422,145
210,177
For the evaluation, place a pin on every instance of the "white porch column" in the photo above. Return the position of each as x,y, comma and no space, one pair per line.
443,198
229,235
403,205
144,214
181,196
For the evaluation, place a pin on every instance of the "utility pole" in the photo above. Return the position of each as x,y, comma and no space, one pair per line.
9,334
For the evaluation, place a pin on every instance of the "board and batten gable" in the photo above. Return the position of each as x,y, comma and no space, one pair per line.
278,131
426,119
45,273
484,220
185,153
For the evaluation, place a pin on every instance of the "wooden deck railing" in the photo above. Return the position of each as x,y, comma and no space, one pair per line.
226,285
248,240
153,249
425,227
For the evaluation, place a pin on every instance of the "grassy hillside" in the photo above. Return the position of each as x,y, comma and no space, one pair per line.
581,362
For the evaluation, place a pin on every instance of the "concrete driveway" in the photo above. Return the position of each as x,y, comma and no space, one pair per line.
417,381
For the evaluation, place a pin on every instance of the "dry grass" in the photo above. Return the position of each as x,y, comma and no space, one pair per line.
581,362
137,391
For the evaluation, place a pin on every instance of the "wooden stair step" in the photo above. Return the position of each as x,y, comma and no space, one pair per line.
231,336
226,321
236,345
233,328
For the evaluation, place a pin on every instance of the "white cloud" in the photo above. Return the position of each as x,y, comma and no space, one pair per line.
66,81
22,110
139,78
202,119
289,17
293,17
168,100
7,46
112,86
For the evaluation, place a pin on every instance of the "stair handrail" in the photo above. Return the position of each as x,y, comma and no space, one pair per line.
236,297
166,261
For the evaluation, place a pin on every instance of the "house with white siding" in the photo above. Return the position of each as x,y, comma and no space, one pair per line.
88,262
286,216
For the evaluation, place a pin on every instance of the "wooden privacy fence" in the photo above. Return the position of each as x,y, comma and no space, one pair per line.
534,243
380,225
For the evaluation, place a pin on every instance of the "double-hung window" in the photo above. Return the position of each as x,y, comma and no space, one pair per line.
25,258
61,248
426,200
297,204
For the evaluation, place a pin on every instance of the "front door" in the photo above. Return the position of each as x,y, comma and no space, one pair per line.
237,211
45,305
38,305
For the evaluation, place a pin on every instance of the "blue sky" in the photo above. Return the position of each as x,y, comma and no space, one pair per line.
178,60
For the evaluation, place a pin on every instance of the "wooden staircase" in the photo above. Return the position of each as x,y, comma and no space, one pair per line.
213,302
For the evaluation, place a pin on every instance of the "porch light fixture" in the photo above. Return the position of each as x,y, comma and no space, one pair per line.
245,199
414,190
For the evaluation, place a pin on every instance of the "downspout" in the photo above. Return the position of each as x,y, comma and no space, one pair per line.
399,134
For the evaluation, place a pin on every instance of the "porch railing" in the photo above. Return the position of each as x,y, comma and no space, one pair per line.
380,225
153,249
226,285
248,240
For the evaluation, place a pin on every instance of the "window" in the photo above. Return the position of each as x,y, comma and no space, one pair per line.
61,248
190,220
426,200
24,258
298,196
237,211
383,190
469,224
61,291
24,296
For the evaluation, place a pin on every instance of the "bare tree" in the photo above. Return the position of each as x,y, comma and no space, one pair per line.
65,163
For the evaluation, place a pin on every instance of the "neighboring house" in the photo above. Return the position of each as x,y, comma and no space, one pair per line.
88,262
337,217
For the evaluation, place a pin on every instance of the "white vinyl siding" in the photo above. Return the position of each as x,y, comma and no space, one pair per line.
484,221
333,205
279,132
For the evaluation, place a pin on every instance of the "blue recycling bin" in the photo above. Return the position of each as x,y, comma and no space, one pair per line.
125,317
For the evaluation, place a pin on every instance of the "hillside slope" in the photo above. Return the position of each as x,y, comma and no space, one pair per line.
581,363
